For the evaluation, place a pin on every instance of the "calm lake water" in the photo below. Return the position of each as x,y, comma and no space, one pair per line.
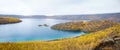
28,30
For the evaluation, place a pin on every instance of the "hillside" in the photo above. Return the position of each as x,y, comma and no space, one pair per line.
90,26
110,16
7,20
88,16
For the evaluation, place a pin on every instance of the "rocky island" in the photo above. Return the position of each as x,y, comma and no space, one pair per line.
8,20
43,25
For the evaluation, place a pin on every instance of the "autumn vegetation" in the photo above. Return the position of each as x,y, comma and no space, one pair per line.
100,32
7,20
91,26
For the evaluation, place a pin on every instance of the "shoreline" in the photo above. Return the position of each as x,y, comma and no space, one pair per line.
47,40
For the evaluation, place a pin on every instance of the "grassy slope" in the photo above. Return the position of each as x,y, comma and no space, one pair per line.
91,26
6,20
84,42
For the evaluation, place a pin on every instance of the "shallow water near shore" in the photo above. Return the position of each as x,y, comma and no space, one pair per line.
28,30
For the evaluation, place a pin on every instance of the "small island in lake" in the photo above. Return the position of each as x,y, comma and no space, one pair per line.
8,20
43,25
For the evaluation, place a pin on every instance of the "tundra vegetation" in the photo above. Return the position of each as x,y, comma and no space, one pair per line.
100,35
91,26
7,20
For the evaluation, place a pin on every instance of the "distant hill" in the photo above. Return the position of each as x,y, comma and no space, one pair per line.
110,16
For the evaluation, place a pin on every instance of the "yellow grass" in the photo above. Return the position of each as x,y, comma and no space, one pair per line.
6,20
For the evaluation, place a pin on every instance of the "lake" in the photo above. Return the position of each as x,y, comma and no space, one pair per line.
28,30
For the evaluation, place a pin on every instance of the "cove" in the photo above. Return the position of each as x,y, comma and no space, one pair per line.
28,30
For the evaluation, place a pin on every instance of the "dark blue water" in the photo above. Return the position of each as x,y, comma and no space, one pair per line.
28,30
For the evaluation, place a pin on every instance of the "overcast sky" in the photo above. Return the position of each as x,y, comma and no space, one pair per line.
58,7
